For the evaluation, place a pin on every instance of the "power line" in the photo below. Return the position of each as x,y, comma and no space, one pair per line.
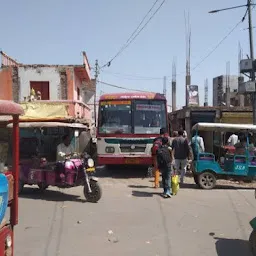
217,46
220,42
141,22
121,87
131,38
195,67
133,76
200,62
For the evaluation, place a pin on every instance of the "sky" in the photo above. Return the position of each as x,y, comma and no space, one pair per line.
56,32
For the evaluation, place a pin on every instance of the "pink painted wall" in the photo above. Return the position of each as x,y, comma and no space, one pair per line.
79,110
77,84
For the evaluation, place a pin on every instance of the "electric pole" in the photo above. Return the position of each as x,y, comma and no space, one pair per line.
253,97
206,92
252,74
188,56
95,97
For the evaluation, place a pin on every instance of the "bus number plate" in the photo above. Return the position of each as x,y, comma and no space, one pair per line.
132,161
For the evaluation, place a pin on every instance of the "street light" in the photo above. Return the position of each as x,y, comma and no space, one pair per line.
229,8
249,10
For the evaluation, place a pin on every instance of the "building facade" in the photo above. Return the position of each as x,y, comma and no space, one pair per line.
219,88
219,91
52,82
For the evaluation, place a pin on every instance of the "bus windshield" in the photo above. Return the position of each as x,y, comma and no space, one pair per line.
132,116
115,117
149,116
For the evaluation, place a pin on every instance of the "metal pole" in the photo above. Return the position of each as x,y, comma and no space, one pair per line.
95,101
249,3
16,153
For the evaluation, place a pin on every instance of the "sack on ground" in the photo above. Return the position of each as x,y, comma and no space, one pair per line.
175,184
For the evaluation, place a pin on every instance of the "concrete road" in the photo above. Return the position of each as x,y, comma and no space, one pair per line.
133,219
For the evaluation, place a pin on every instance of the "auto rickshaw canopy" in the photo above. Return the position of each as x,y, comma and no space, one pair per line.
221,127
9,108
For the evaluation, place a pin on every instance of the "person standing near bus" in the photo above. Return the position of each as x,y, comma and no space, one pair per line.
156,144
164,161
181,153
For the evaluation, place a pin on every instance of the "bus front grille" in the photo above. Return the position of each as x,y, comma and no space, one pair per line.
132,148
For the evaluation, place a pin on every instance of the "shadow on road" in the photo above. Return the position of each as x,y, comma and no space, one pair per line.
49,195
232,247
226,187
117,172
138,186
138,193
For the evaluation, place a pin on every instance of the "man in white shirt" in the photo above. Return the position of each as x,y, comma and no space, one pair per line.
233,139
197,144
64,149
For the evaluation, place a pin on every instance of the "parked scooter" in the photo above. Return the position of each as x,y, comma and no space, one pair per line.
252,238
74,171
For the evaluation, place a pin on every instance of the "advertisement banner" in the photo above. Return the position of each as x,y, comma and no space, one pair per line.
193,95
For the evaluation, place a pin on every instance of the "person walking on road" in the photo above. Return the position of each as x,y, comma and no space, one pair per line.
181,153
164,161
156,144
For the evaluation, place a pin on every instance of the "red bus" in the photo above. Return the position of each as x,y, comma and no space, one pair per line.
127,125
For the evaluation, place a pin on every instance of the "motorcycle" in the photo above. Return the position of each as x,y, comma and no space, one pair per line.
252,239
72,172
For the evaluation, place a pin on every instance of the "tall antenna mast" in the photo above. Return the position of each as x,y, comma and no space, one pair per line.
228,74
174,74
188,52
227,84
240,57
206,92
164,87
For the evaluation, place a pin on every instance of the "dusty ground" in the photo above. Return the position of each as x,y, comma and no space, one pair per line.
133,219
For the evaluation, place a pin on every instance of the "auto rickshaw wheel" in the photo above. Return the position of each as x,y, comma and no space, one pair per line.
96,193
42,186
252,241
207,180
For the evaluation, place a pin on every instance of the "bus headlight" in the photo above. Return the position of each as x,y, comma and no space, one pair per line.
90,162
110,150
8,241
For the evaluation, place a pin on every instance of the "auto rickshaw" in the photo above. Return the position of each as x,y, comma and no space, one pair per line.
207,169
9,180
39,165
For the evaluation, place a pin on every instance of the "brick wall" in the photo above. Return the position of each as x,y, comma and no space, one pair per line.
63,90
70,83
6,84
15,84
